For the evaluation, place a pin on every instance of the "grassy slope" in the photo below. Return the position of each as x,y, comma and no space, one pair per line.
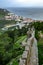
17,45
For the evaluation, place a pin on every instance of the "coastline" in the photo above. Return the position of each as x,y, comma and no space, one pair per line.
33,20
13,16
33,13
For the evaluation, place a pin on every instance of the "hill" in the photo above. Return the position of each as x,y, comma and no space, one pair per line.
3,11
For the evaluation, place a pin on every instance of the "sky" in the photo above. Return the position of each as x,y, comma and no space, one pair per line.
21,3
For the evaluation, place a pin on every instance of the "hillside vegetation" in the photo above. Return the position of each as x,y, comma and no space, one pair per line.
39,27
6,22
11,46
3,12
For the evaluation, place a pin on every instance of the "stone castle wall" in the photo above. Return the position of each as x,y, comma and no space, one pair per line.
30,54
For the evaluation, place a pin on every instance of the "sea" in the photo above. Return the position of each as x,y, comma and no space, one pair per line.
34,13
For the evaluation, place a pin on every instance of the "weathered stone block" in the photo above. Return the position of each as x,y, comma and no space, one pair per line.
24,55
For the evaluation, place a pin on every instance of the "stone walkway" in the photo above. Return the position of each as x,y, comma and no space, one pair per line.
34,54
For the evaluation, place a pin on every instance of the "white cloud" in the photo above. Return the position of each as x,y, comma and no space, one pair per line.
28,2
21,3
